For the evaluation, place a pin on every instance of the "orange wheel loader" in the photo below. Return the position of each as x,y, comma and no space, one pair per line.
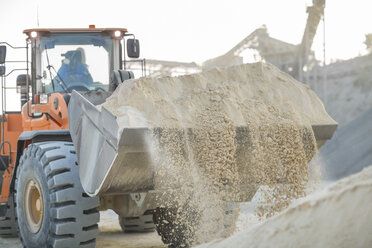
42,199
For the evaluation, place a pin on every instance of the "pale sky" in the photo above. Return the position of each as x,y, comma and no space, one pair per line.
195,30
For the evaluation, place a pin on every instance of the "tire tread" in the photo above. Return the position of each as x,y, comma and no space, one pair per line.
70,226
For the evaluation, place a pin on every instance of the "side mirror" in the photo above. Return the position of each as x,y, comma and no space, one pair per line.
133,48
2,70
22,80
2,54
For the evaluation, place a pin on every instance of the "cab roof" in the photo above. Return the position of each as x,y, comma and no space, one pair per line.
91,29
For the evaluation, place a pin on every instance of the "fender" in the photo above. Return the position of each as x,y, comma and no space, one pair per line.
29,137
25,139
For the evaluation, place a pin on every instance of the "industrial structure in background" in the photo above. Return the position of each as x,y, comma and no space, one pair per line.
296,60
293,59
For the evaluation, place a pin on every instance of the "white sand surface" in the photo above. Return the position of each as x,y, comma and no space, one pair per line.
111,235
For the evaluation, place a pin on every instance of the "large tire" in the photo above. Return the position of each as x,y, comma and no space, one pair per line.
176,234
62,214
172,232
232,211
8,227
144,223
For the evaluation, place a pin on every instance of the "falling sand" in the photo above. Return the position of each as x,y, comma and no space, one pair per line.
217,137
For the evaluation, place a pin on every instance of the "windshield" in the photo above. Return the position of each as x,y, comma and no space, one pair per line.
74,62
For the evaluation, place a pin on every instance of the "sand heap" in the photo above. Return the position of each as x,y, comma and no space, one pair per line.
339,216
345,87
223,132
350,149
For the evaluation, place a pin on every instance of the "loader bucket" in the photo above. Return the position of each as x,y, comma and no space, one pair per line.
117,161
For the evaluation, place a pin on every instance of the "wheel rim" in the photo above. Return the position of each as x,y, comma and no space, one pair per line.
33,205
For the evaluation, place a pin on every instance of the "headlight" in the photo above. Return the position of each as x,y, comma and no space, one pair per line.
117,33
33,34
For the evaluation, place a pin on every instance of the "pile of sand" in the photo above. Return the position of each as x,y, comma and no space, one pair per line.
347,90
350,149
202,158
339,216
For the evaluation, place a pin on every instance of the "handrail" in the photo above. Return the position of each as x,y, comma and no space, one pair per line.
14,47
22,69
10,149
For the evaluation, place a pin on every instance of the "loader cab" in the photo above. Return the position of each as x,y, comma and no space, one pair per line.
63,60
